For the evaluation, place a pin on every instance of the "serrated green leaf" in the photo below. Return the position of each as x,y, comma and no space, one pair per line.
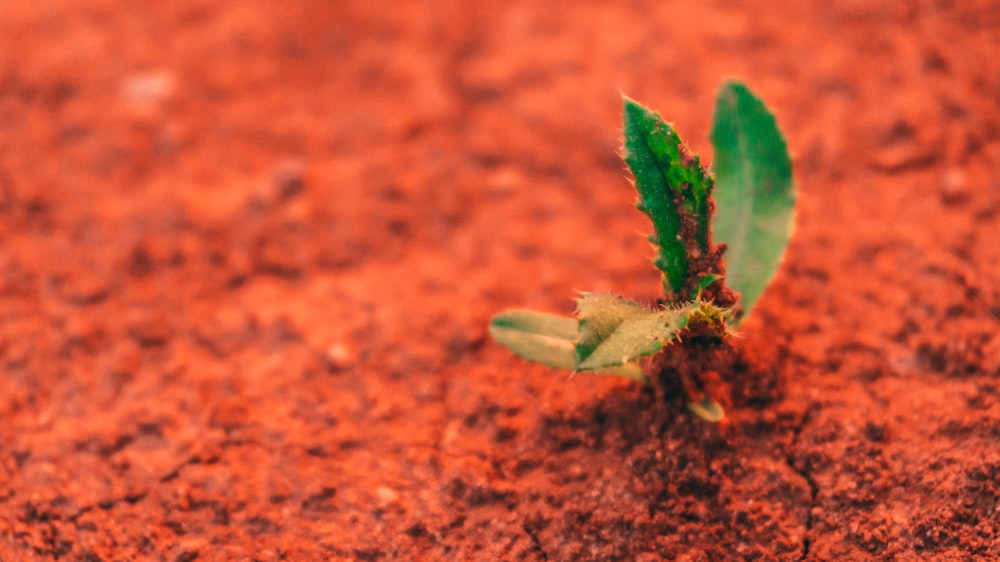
537,336
674,191
616,331
755,195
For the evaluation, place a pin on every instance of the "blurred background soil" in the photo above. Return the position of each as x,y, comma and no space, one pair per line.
248,251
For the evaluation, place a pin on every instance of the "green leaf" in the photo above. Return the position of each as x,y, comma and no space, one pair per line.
537,336
707,409
704,282
755,198
615,331
674,191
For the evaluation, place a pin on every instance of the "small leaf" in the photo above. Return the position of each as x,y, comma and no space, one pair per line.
537,336
674,191
707,409
707,319
616,331
755,196
704,282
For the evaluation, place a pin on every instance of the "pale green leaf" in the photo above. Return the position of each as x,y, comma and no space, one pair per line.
537,336
707,409
615,331
755,193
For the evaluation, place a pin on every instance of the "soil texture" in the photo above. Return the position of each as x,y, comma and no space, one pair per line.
249,250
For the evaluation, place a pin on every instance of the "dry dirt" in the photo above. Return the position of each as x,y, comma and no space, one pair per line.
249,251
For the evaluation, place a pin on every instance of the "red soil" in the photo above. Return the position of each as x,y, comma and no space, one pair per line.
249,251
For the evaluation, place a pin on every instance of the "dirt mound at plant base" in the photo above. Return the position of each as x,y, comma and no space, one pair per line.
249,254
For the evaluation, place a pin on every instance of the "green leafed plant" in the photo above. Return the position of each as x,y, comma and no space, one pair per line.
705,296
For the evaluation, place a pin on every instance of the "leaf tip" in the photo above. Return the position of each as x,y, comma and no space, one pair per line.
633,111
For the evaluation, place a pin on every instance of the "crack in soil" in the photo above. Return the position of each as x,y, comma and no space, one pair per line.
790,460
813,491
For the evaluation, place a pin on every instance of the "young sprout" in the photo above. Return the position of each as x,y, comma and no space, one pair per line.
752,197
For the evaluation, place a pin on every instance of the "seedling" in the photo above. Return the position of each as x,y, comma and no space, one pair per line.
704,297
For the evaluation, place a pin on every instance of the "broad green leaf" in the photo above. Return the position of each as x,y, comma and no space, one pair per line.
537,336
674,191
755,195
707,409
616,331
